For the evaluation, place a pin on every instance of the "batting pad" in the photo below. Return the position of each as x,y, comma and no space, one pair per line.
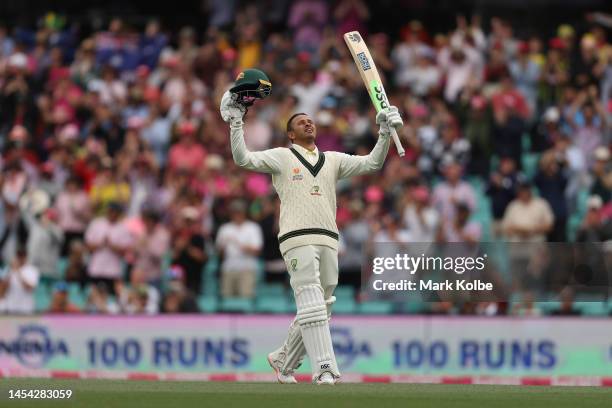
314,325
294,347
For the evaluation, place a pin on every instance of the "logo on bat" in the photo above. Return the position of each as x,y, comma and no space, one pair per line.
381,97
354,37
363,60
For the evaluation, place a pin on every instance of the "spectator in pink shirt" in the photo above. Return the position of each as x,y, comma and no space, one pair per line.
453,191
74,212
150,249
187,154
108,240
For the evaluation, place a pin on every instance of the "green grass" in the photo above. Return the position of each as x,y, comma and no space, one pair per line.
152,394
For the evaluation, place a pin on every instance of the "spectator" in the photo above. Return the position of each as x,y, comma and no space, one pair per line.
452,191
594,228
100,301
139,297
108,187
588,121
274,265
307,19
74,212
188,245
240,243
18,284
460,229
602,173
187,154
150,249
178,298
60,303
44,243
526,74
502,190
567,304
107,240
420,218
527,218
508,131
475,112
551,181
76,268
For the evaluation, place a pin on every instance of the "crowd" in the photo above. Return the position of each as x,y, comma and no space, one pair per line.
117,171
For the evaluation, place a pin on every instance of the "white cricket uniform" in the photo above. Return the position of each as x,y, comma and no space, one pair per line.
306,185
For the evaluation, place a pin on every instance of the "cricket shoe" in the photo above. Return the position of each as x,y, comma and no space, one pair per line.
326,378
276,364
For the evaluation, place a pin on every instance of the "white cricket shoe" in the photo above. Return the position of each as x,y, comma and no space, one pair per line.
325,378
276,365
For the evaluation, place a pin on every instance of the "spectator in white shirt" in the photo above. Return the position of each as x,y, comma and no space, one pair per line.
240,242
17,287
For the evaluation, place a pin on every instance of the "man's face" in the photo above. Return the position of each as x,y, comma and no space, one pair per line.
303,129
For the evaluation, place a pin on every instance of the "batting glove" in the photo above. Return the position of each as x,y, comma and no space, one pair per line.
231,111
388,118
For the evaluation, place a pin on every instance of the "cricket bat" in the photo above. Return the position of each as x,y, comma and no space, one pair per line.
371,79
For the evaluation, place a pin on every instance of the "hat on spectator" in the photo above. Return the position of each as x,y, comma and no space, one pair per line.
565,31
18,134
190,213
602,153
18,61
69,133
47,167
176,272
325,118
52,214
421,194
588,41
34,202
419,111
556,43
374,194
214,162
61,286
594,202
186,128
95,85
523,47
135,122
552,115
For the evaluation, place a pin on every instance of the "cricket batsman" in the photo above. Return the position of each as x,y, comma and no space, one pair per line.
305,181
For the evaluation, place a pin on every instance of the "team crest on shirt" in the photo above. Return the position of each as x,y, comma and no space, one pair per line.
296,174
315,191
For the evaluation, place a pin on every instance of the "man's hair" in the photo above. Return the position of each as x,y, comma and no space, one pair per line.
289,128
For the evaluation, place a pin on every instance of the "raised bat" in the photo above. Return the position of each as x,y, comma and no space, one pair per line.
369,75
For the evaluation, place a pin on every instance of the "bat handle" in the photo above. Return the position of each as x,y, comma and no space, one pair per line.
398,144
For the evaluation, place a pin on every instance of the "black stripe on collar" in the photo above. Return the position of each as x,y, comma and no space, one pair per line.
314,170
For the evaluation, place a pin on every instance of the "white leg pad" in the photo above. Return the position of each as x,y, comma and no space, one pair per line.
314,324
294,346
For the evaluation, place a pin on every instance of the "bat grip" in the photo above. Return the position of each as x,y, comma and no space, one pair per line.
398,144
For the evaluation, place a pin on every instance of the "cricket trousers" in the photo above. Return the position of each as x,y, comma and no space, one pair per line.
313,271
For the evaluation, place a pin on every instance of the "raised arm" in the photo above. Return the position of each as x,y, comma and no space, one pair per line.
357,165
267,161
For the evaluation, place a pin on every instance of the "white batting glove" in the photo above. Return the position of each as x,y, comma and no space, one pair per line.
231,111
388,118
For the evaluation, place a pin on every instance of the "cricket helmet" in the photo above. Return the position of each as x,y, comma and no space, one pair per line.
251,84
